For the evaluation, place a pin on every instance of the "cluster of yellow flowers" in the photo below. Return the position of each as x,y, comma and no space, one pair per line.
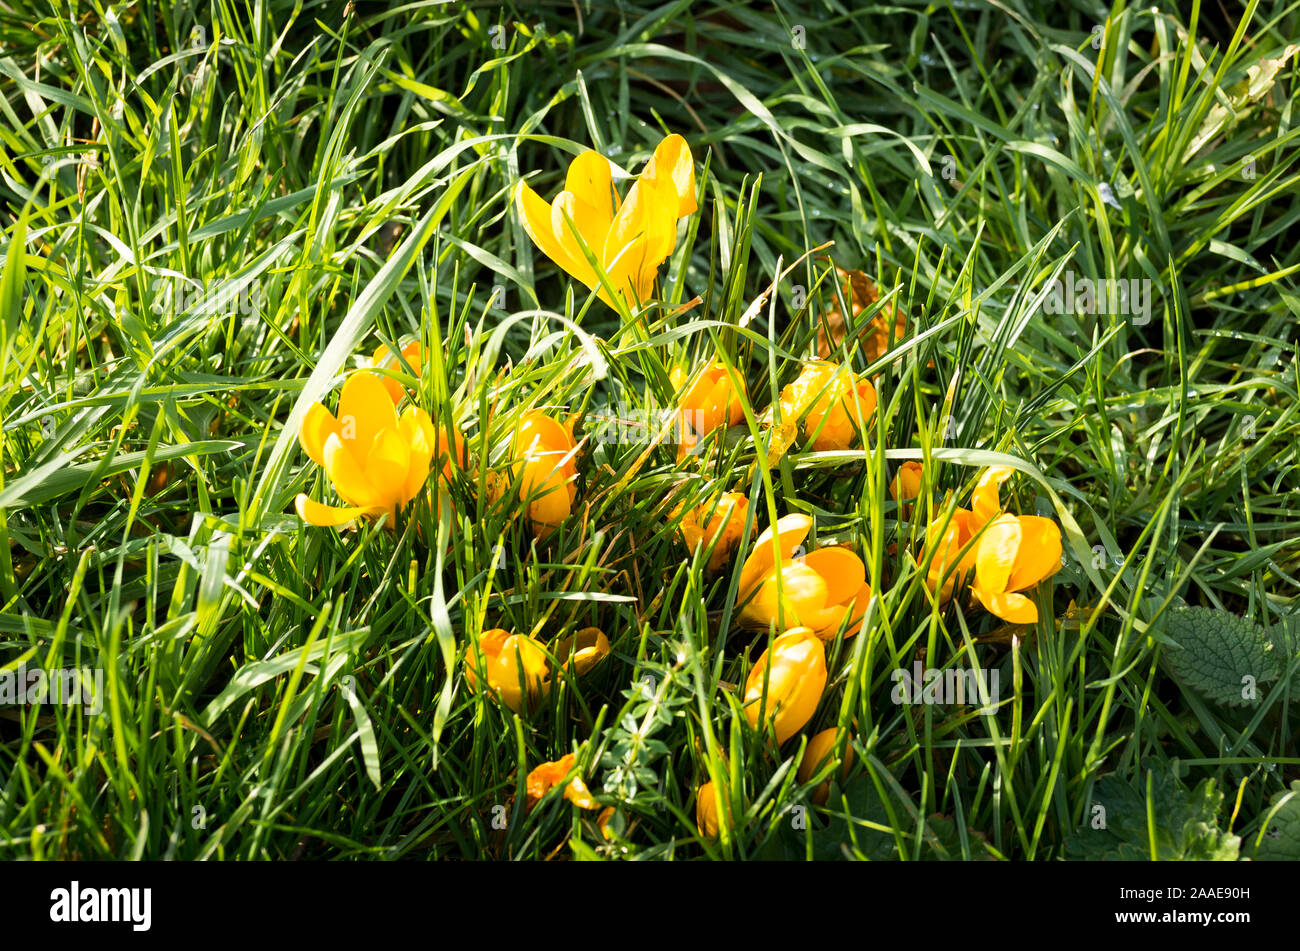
378,461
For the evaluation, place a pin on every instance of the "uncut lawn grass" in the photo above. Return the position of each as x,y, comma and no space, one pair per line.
279,691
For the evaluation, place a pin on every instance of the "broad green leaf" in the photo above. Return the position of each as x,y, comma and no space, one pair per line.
1223,657
1279,839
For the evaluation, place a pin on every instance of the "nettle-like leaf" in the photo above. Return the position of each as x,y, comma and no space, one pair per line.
1286,642
1186,823
1280,840
1223,657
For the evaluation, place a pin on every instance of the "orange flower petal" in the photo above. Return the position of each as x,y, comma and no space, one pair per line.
1012,607
996,556
1039,555
590,179
329,516
985,504
672,159
317,425
346,474
842,571
771,547
365,408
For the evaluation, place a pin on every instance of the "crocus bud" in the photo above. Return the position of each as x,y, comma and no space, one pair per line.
503,655
907,482
819,749
835,404
706,811
546,469
786,683
725,522
383,359
881,333
583,650
708,401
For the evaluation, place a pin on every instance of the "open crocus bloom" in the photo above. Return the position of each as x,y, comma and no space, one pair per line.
786,683
376,461
504,657
1014,554
821,590
710,401
631,238
726,523
546,469
835,405
383,359
542,779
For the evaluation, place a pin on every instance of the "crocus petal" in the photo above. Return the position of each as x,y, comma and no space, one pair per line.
329,516
661,224
794,596
570,219
535,213
386,467
706,811
996,556
842,571
549,503
858,610
771,547
672,160
365,408
1039,555
347,475
624,250
985,504
417,432
317,425
590,179
1015,608
640,237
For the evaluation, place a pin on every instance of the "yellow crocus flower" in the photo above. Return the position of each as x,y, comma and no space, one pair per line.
546,469
820,748
583,651
376,460
819,590
629,238
786,683
543,778
724,522
503,656
1014,554
834,403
